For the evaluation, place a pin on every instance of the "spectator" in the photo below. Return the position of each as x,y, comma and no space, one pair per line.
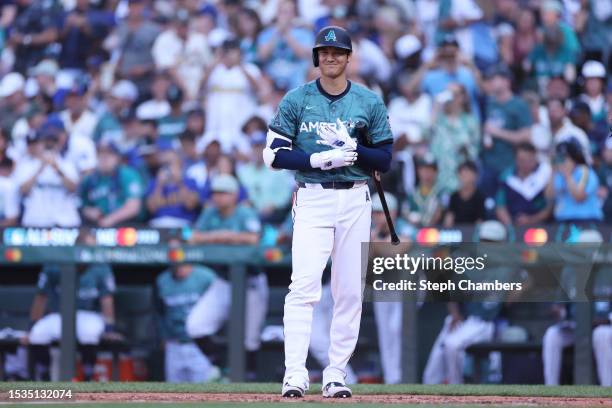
47,183
593,26
78,150
457,16
81,35
249,27
551,13
455,135
172,125
112,194
605,178
541,138
466,205
179,288
230,82
594,74
449,66
525,37
229,223
157,107
574,185
269,191
195,168
183,53
136,37
42,85
79,121
223,164
13,102
521,195
424,206
597,132
9,194
34,29
172,198
284,49
119,103
562,128
507,124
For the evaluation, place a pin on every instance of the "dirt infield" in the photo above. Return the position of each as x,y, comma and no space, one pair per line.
387,399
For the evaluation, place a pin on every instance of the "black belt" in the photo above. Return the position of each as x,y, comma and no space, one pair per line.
332,185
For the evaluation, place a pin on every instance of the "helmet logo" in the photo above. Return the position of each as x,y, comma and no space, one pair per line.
330,36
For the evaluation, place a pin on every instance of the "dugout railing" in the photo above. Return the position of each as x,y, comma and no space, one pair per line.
37,247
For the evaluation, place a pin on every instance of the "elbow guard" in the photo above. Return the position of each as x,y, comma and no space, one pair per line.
274,143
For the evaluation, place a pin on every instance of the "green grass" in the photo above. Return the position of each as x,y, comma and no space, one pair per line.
372,389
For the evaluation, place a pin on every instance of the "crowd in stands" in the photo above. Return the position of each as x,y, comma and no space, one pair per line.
116,112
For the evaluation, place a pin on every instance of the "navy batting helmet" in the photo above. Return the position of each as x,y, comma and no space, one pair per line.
331,36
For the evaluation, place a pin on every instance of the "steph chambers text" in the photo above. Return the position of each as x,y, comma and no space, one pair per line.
448,286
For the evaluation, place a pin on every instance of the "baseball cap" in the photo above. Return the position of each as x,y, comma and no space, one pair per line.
448,39
427,159
492,230
593,69
174,94
590,236
391,202
407,45
224,183
11,83
78,89
108,146
52,127
498,70
125,89
552,5
181,16
45,67
231,44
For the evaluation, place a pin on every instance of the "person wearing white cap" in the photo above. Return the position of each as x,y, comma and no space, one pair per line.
467,323
14,101
594,74
388,313
562,334
119,101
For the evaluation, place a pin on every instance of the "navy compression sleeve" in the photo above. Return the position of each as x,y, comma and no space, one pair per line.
374,158
291,160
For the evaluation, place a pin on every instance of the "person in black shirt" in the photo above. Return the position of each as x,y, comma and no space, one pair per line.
466,205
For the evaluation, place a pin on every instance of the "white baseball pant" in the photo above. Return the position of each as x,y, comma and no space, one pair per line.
213,309
319,339
602,348
89,328
388,317
448,353
185,363
555,339
326,222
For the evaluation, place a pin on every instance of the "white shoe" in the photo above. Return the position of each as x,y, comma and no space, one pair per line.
293,390
336,390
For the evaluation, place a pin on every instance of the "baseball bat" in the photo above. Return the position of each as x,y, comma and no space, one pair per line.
362,136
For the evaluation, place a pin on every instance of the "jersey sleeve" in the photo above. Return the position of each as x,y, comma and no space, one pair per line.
131,184
380,130
286,118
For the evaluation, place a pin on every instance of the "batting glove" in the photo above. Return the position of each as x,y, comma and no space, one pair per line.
337,136
332,159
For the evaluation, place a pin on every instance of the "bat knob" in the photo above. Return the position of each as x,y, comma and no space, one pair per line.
395,241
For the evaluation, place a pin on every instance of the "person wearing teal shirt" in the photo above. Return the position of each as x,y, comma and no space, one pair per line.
508,123
179,289
112,194
227,223
95,315
174,124
336,134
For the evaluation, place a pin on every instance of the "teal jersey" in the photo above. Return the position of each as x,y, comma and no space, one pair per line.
110,192
303,109
95,282
244,219
178,298
171,127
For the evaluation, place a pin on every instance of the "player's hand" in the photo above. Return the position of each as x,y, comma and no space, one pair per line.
332,159
337,136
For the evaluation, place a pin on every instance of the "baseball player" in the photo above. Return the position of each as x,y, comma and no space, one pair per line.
227,222
466,324
95,315
563,333
388,314
314,132
179,288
